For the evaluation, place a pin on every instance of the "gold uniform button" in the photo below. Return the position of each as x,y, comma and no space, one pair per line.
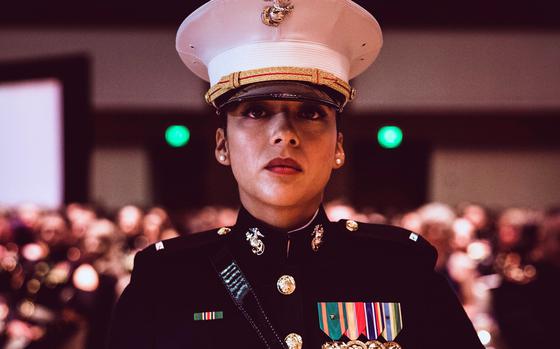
286,284
294,341
223,230
351,225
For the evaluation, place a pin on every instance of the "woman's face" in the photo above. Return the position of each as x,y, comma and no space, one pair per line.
281,152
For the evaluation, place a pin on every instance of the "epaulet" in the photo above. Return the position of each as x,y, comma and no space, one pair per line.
187,242
396,235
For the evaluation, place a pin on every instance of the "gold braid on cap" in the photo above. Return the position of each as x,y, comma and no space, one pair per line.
312,75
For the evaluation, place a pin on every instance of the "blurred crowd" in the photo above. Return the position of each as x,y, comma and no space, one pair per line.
61,271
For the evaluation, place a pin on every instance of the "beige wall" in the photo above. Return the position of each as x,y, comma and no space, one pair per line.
416,70
130,68
464,71
497,178
120,176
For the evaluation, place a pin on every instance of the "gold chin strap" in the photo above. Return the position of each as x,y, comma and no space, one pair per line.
312,75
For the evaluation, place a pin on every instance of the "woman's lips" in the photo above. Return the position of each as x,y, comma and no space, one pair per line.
283,166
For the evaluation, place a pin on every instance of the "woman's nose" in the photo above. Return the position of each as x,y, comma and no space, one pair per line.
284,131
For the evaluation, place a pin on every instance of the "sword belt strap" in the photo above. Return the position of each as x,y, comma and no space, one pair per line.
245,299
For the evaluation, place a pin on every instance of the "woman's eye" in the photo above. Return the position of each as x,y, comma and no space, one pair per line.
312,114
255,113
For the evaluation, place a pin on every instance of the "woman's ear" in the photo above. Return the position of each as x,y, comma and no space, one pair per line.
221,151
339,156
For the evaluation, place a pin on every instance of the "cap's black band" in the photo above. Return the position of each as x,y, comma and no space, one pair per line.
282,90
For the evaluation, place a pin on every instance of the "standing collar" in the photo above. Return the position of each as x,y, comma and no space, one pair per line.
279,244
245,220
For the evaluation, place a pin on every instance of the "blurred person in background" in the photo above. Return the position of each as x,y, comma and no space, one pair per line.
40,318
479,216
155,222
102,247
549,243
409,220
226,216
80,216
169,233
96,278
54,235
284,276
90,254
516,239
8,252
466,241
25,223
207,217
374,217
10,271
435,221
339,209
439,235
63,289
526,304
460,255
463,234
6,231
129,221
438,224
464,264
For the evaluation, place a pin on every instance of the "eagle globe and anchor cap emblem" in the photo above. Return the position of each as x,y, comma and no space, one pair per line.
274,14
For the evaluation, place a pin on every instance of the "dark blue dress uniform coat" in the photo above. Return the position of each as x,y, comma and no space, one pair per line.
375,263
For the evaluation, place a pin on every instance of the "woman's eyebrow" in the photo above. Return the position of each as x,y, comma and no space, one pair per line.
244,105
255,103
308,104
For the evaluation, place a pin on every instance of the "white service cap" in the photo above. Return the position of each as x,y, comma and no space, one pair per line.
232,43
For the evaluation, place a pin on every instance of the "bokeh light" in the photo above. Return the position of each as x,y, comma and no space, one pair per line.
85,278
484,337
390,137
177,135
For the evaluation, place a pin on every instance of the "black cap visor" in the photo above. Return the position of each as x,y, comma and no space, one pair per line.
282,90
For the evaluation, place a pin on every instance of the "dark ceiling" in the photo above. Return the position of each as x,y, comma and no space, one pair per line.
473,14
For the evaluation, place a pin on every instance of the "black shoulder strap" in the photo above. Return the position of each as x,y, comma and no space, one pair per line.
245,299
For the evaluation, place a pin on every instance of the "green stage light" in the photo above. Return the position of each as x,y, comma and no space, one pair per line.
177,136
390,137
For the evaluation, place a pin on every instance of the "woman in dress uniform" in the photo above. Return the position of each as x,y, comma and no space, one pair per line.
284,276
